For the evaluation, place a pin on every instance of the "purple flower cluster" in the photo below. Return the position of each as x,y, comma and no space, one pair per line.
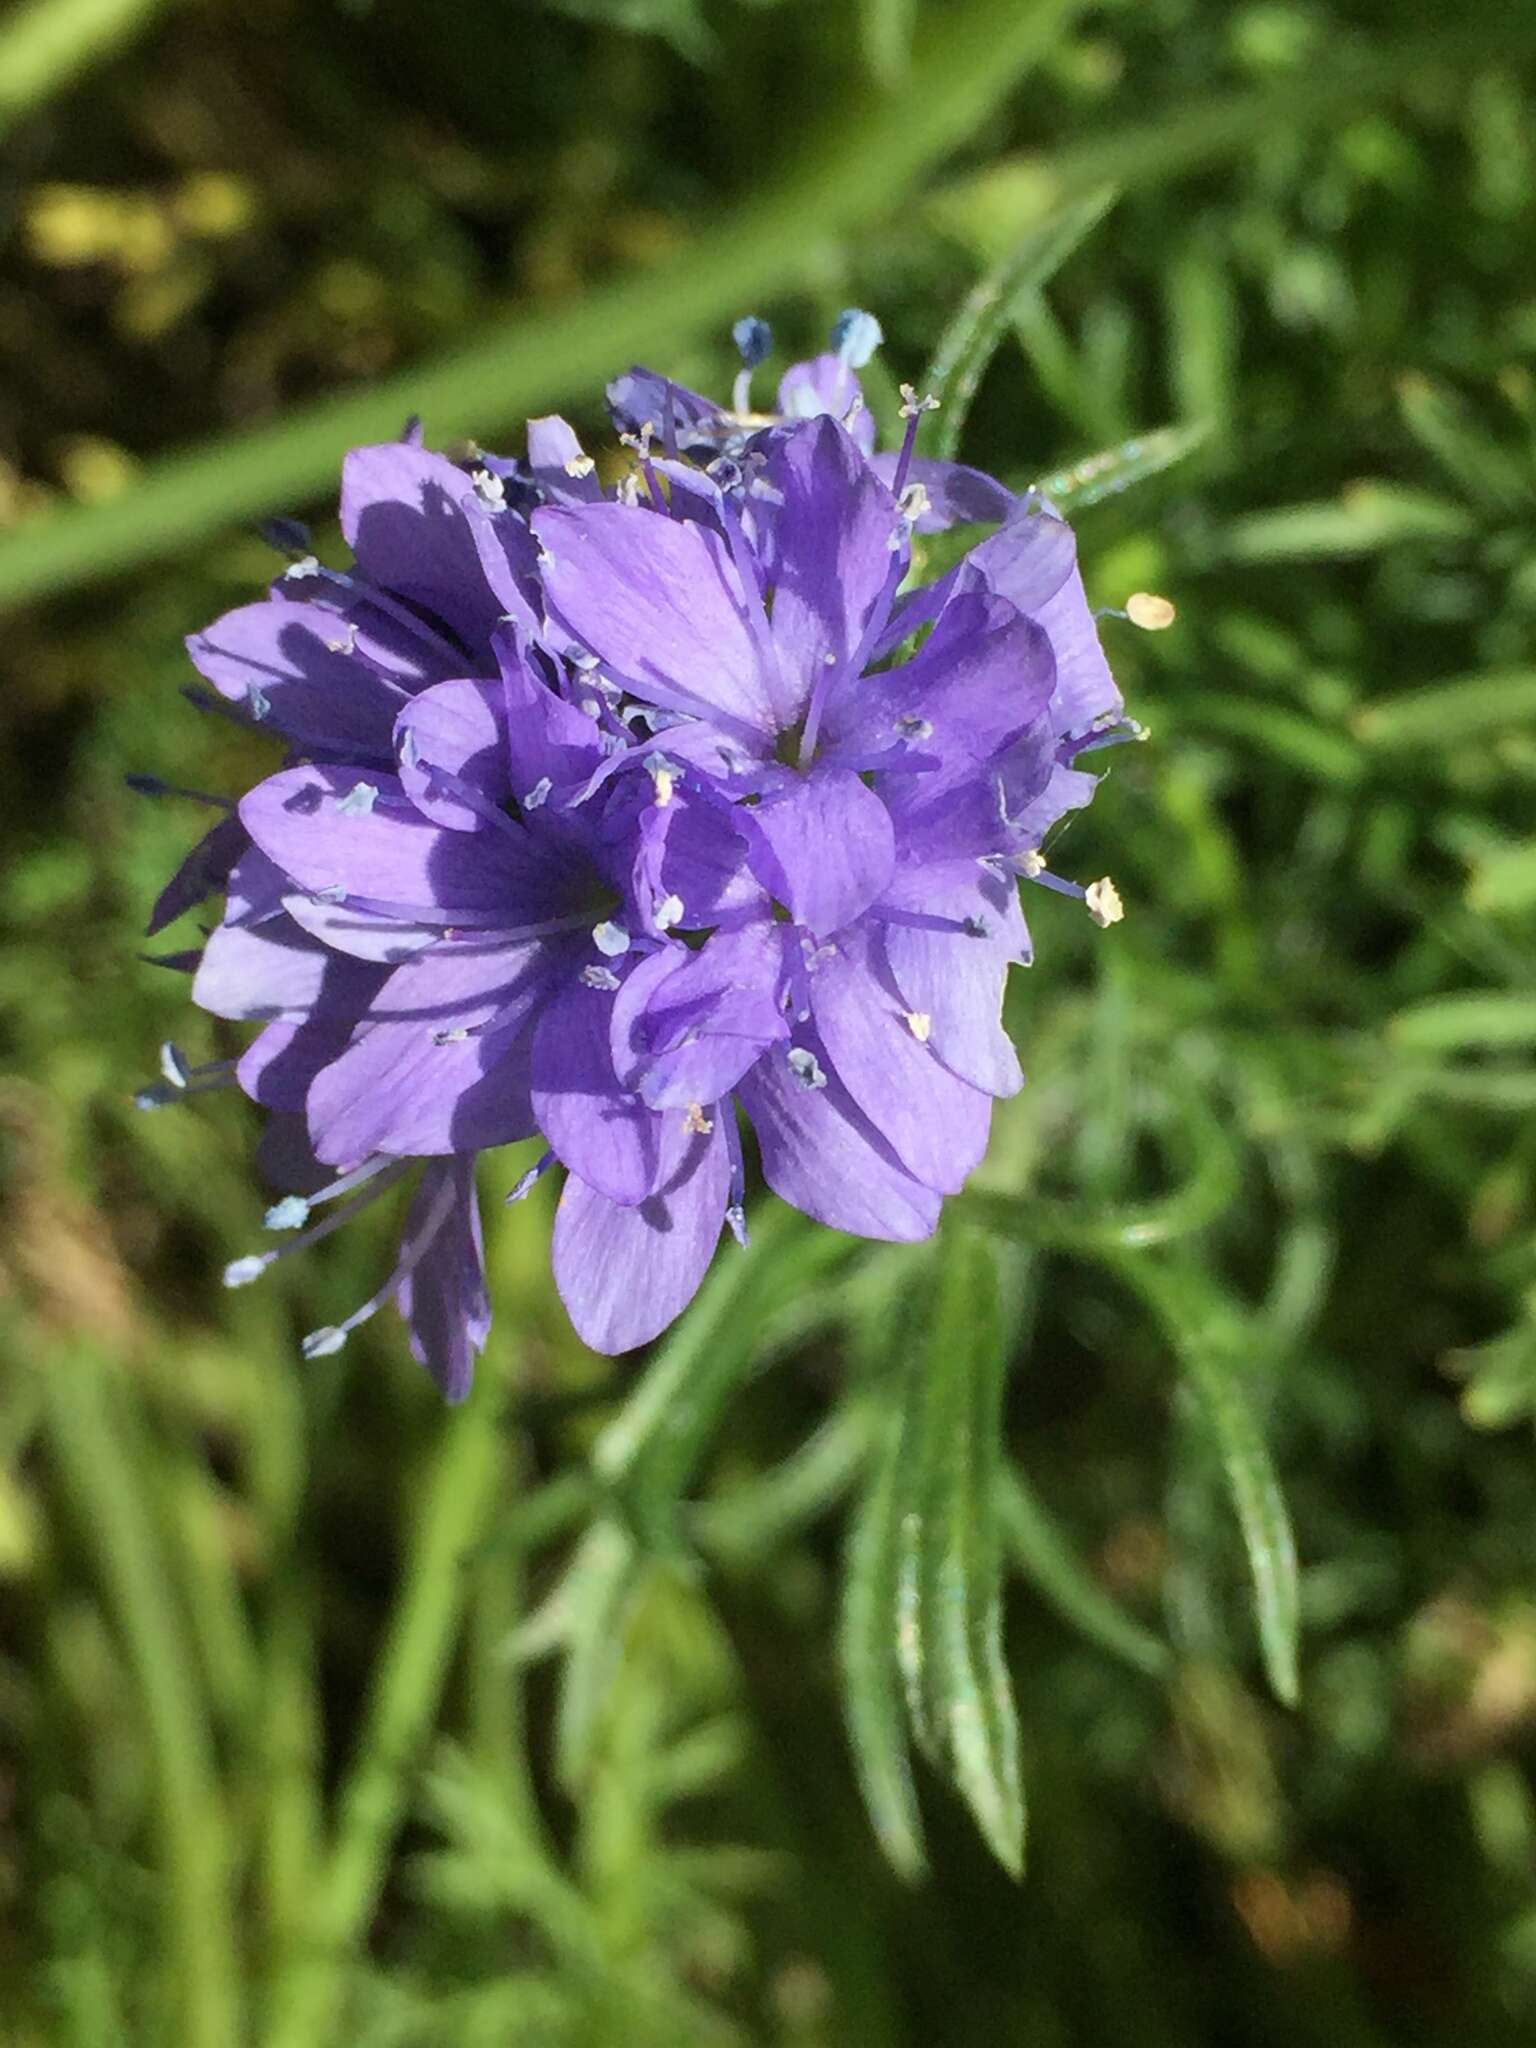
609,813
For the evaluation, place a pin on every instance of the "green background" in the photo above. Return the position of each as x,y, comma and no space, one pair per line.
1181,1495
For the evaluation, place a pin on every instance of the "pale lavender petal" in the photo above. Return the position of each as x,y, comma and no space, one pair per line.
1032,561
957,494
323,828
276,969
456,729
660,604
293,666
826,384
624,1273
642,398
936,1124
823,844
953,979
821,1153
594,1125
403,517
562,469
685,1030
409,1083
828,558
549,741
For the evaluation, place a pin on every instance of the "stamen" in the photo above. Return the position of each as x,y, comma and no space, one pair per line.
358,801
599,977
323,1342
855,336
611,940
579,466
1152,613
736,1199
669,912
695,1122
538,796
531,1178
754,339
1104,905
920,1024
241,1272
806,1068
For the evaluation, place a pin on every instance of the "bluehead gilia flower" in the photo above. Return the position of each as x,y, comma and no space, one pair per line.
626,816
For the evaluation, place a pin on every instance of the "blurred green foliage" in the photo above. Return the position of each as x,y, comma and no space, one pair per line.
702,1698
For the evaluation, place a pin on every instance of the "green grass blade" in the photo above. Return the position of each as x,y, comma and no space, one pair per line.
855,171
1465,1022
871,1687
94,1439
1469,707
47,43
950,1584
1214,1344
977,330
886,29
1114,470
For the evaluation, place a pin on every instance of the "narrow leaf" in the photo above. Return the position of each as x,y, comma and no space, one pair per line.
1468,707
1476,1019
973,336
871,1688
1046,1558
1114,470
950,1583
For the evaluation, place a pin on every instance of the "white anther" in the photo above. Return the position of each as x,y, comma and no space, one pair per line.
538,794
806,1068
306,565
599,977
669,912
580,466
1150,612
490,487
1031,863
914,502
358,801
695,1122
912,405
610,939
1103,901
920,1024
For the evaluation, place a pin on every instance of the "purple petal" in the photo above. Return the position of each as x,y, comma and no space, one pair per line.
828,555
402,515
641,398
276,969
457,728
661,606
565,474
379,848
821,1153
935,1124
824,845
594,1125
624,1273
400,1086
686,1026
955,978
442,1297
293,666
279,1065
1032,561
826,384
548,740
957,495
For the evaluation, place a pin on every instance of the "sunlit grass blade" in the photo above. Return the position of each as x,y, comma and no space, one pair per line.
1114,470
1470,707
1474,1021
978,329
1287,736
1215,1345
886,29
1047,1560
854,170
94,1438
1369,516
949,1628
46,43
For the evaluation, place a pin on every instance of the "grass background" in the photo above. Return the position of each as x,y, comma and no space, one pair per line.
328,1717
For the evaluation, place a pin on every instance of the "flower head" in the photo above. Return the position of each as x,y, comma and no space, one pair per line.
610,815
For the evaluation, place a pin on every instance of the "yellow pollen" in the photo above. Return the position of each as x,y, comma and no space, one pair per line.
695,1122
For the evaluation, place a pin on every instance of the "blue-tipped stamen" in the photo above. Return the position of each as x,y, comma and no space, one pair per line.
855,336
